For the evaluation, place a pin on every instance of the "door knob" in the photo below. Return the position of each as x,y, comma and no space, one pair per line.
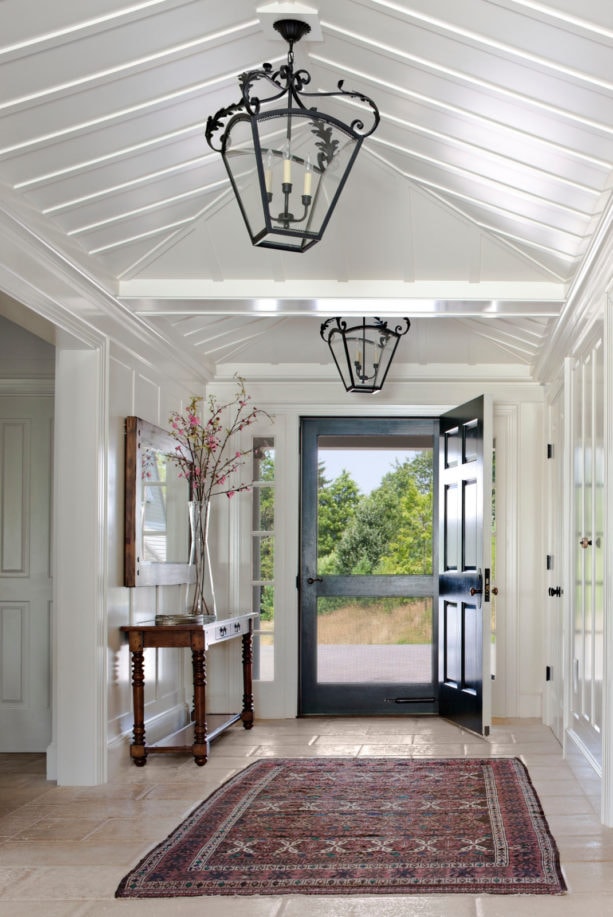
474,591
585,542
555,591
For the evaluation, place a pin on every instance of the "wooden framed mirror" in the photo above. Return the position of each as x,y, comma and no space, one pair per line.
156,549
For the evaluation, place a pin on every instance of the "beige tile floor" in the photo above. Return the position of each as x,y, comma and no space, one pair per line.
63,850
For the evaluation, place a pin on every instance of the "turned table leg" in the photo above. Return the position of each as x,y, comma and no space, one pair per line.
247,712
200,749
138,750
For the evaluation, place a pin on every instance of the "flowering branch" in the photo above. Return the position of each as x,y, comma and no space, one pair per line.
202,446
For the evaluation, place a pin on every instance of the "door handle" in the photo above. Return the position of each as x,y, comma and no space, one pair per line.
474,591
585,542
478,590
555,591
316,579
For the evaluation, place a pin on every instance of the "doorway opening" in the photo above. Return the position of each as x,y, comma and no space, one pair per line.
368,622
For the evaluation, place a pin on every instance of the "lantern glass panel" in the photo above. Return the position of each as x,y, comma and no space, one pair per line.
363,355
288,188
241,161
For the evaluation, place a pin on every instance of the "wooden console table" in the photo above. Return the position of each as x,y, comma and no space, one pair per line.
197,736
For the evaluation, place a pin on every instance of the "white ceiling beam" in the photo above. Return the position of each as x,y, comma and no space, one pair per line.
265,297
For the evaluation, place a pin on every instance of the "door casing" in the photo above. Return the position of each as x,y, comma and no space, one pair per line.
348,699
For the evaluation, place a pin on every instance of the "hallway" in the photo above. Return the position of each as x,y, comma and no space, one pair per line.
63,850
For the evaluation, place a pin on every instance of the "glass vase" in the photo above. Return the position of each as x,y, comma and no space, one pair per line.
199,557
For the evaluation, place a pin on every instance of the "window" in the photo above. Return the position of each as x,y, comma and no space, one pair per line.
263,556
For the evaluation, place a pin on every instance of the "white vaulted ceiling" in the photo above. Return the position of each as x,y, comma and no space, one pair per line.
471,209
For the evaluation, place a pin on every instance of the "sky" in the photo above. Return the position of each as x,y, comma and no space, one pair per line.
366,466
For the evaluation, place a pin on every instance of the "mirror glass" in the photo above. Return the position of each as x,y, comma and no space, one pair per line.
156,518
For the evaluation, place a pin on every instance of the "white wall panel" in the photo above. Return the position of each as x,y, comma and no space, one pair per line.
13,643
14,494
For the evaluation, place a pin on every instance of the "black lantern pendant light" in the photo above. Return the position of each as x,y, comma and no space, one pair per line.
363,352
287,165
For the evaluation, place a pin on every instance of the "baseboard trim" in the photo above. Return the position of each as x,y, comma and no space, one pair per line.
585,752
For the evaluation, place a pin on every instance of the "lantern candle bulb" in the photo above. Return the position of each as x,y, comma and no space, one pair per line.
308,177
287,166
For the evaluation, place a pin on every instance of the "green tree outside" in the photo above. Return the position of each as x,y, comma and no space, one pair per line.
264,507
387,531
337,504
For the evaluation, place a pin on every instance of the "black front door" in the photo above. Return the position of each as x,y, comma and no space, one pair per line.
465,451
368,632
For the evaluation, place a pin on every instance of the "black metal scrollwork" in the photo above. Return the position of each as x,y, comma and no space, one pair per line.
288,82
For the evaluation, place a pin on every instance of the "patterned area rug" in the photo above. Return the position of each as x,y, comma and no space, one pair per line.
339,826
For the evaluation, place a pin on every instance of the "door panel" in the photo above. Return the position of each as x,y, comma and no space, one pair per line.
367,638
464,581
25,572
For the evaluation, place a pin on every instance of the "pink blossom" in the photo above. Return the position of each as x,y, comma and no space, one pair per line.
201,443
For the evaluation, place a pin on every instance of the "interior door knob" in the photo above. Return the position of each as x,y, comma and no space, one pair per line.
585,542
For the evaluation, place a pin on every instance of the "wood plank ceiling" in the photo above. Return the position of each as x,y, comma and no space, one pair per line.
470,209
